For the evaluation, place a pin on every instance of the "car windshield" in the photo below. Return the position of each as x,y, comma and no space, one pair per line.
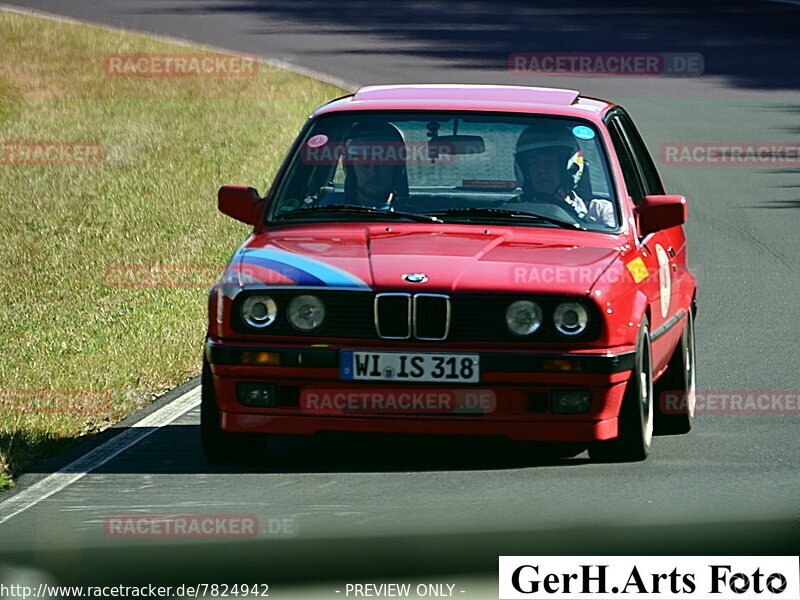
458,167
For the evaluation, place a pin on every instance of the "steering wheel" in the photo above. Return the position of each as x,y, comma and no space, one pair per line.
560,204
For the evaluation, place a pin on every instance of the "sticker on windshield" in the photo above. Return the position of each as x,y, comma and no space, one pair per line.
583,132
317,140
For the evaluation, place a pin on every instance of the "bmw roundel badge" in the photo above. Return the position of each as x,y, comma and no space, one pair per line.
415,277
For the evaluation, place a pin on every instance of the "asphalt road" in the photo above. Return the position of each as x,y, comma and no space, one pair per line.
375,507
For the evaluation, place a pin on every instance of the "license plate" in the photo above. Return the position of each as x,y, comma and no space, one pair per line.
410,366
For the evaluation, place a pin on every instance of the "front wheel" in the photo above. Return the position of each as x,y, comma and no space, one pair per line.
219,445
675,390
635,430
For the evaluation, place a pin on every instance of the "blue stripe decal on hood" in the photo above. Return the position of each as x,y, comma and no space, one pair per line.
302,270
293,273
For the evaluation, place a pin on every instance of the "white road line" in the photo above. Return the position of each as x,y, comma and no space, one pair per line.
99,456
267,60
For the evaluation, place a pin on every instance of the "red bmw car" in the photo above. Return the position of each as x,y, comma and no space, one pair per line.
456,259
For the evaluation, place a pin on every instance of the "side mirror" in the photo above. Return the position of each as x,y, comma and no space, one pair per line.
241,203
655,213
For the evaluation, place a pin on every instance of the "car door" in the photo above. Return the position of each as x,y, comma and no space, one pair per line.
674,238
660,251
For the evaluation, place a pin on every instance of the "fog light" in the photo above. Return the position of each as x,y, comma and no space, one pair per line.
562,364
261,358
571,401
256,394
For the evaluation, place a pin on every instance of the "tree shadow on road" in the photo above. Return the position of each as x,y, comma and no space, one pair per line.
782,204
750,44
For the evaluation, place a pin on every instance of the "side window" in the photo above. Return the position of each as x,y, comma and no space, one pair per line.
626,161
652,182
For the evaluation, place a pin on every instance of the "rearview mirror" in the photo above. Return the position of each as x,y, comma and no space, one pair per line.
655,213
241,203
457,144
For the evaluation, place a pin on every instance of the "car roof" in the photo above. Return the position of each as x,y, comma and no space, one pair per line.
462,97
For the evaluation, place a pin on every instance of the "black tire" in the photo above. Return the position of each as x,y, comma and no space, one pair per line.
219,445
637,413
675,390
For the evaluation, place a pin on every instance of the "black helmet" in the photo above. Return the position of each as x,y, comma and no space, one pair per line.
375,133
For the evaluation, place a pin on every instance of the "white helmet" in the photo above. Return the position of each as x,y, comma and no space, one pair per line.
554,137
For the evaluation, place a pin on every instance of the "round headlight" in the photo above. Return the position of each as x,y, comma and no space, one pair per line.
523,317
571,318
306,313
259,311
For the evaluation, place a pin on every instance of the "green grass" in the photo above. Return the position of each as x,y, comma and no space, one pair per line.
168,144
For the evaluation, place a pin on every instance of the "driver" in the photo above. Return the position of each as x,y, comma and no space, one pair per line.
375,171
549,165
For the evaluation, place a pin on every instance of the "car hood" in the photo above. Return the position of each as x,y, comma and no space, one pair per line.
452,258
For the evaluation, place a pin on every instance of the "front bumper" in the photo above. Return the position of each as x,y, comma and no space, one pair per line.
520,384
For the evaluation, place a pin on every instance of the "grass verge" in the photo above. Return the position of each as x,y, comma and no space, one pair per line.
80,349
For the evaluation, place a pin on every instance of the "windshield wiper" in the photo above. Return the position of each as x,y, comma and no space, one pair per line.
355,209
503,214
